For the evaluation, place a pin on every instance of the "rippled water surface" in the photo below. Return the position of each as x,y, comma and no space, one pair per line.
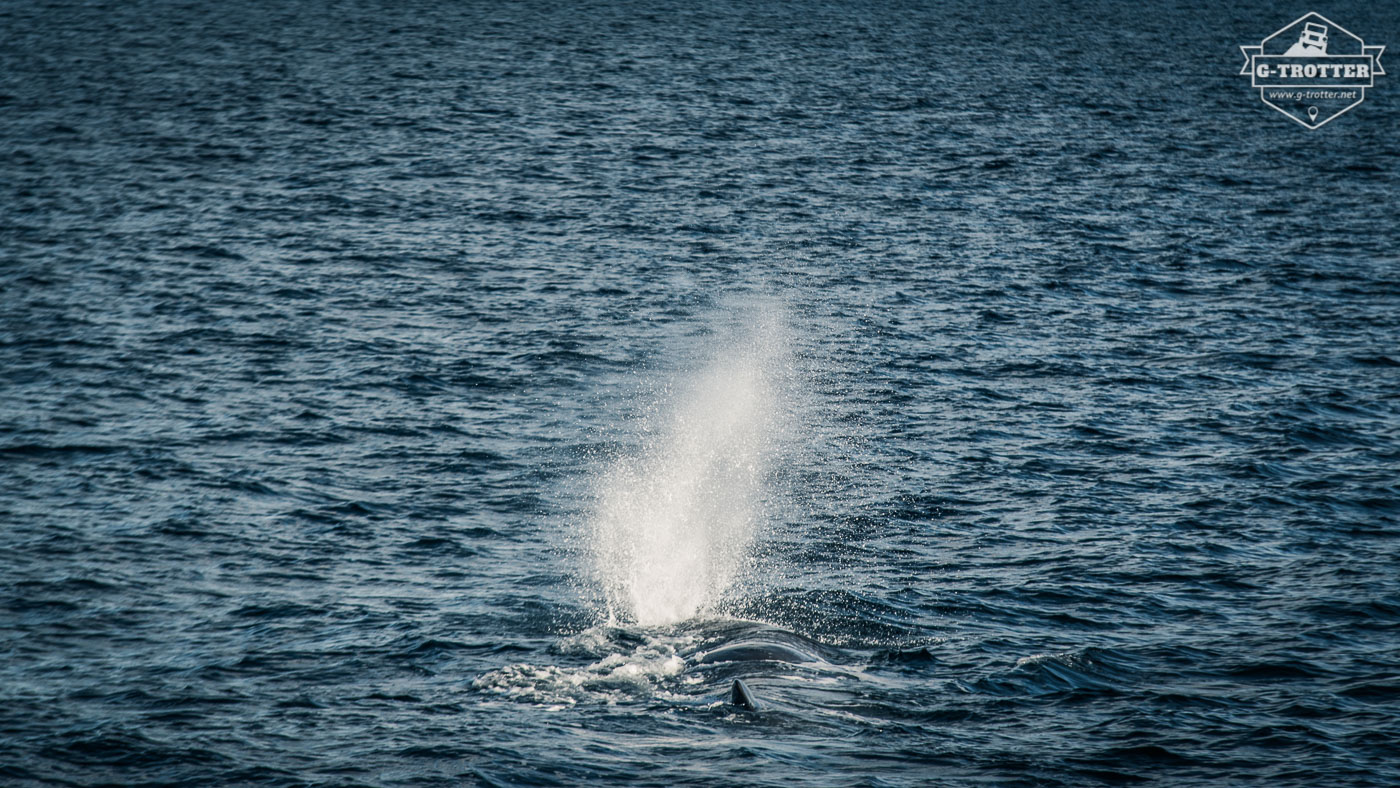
433,394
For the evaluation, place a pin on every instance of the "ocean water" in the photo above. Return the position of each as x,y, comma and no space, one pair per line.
428,394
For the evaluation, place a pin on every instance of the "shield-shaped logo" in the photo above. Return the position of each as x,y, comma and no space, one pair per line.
1312,69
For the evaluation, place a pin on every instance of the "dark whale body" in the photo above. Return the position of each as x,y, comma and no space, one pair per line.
753,651
740,696
750,648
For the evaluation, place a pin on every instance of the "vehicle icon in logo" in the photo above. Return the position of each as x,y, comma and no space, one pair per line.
1312,69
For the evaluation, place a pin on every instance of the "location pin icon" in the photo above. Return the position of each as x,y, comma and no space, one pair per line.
1312,114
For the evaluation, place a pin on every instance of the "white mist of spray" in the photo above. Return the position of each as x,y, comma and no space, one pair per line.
674,525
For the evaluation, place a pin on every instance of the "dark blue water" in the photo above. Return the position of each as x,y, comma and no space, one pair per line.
325,329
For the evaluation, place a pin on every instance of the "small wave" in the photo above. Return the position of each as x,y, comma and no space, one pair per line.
1083,670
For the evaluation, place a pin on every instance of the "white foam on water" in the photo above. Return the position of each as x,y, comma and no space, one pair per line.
674,523
619,675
